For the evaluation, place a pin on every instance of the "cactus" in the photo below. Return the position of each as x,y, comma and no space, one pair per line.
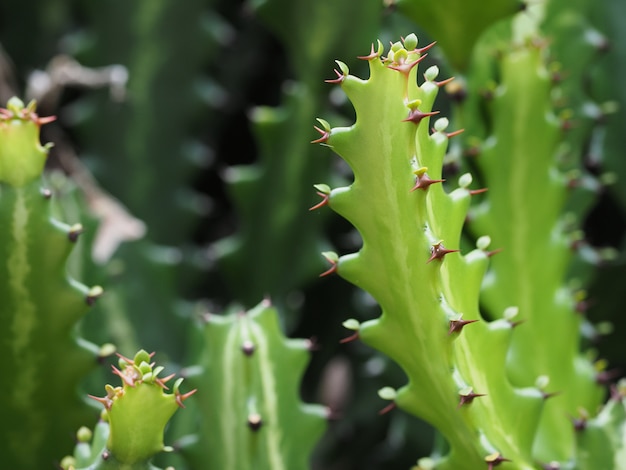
531,164
530,271
133,421
249,410
409,262
410,265
43,357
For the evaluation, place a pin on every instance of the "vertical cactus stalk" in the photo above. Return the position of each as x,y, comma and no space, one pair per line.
411,229
42,357
134,419
251,417
526,161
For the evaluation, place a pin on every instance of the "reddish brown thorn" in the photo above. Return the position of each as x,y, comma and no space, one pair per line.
494,460
106,401
181,397
125,359
438,252
325,197
456,326
324,138
469,398
387,409
423,182
474,192
331,270
161,382
349,339
130,381
516,323
40,121
425,48
405,67
493,252
455,133
546,395
372,55
416,116
340,77
444,82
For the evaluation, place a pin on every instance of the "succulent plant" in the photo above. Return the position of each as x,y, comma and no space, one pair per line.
44,359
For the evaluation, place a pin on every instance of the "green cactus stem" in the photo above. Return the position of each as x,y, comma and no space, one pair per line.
411,229
133,421
250,413
43,359
524,216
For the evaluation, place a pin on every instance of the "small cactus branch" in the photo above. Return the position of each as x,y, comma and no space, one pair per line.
134,418
252,416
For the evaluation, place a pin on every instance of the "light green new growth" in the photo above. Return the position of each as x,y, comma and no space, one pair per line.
134,419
